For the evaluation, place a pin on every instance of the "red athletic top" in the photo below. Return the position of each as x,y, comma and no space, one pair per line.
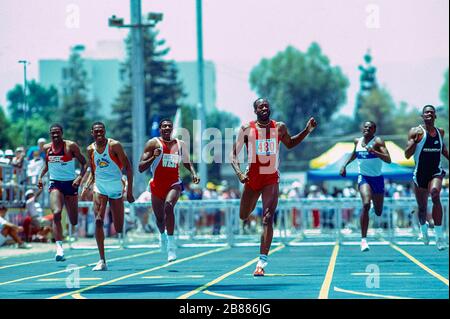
263,148
165,168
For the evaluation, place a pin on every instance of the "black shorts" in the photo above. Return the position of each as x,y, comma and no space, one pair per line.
64,187
422,180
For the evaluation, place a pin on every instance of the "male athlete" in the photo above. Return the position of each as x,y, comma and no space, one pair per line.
63,185
163,155
370,150
262,139
427,145
107,159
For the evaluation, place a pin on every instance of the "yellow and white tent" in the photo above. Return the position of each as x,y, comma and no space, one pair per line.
340,149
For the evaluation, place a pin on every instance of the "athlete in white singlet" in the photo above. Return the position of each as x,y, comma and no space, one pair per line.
63,187
107,159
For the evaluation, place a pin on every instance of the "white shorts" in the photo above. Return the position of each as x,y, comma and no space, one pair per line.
112,189
4,239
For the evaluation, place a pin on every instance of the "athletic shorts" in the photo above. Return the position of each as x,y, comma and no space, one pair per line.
64,187
161,190
422,180
258,182
113,189
376,183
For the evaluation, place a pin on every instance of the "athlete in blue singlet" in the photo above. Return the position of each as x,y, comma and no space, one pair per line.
427,145
370,150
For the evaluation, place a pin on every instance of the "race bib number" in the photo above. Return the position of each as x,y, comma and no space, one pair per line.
170,160
266,147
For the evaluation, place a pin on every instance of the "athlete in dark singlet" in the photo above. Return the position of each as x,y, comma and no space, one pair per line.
63,186
262,139
426,143
163,156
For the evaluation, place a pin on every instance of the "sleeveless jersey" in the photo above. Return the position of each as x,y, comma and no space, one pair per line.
263,150
368,164
165,167
61,166
107,167
427,156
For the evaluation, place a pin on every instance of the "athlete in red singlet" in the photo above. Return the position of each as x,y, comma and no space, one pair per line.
163,155
262,139
63,188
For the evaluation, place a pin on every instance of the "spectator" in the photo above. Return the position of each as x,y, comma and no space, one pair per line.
34,168
18,158
40,147
36,224
9,155
9,232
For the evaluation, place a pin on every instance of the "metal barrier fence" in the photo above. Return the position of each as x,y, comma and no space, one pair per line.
297,222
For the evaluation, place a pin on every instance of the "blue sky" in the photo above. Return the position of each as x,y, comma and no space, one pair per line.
409,39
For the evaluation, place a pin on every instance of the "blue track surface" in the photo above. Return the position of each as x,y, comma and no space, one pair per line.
339,271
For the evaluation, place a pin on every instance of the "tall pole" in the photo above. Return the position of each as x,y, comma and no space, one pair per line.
201,94
138,93
25,101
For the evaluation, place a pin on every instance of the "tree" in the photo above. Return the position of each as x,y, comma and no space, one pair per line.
162,87
299,85
5,140
42,101
442,116
379,107
75,102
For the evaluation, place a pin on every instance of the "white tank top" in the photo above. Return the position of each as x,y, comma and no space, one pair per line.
61,166
107,167
368,164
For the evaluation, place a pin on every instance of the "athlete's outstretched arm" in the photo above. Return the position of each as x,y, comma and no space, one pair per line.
80,157
123,158
237,148
151,151
343,171
292,141
444,147
413,139
380,150
187,163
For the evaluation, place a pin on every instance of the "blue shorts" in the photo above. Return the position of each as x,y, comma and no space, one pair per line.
375,182
64,187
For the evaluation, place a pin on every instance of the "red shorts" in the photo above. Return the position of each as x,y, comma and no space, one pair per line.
257,182
161,190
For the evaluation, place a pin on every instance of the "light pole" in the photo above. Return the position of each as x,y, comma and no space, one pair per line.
201,95
25,101
139,130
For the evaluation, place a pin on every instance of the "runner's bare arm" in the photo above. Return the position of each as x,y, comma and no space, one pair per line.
343,171
444,147
123,158
380,150
91,178
44,167
237,148
187,162
75,149
151,151
413,139
292,141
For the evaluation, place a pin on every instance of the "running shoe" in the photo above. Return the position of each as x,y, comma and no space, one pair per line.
441,244
364,246
259,272
101,266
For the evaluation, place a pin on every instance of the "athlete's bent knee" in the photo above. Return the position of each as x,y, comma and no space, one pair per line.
57,217
435,194
366,206
99,222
